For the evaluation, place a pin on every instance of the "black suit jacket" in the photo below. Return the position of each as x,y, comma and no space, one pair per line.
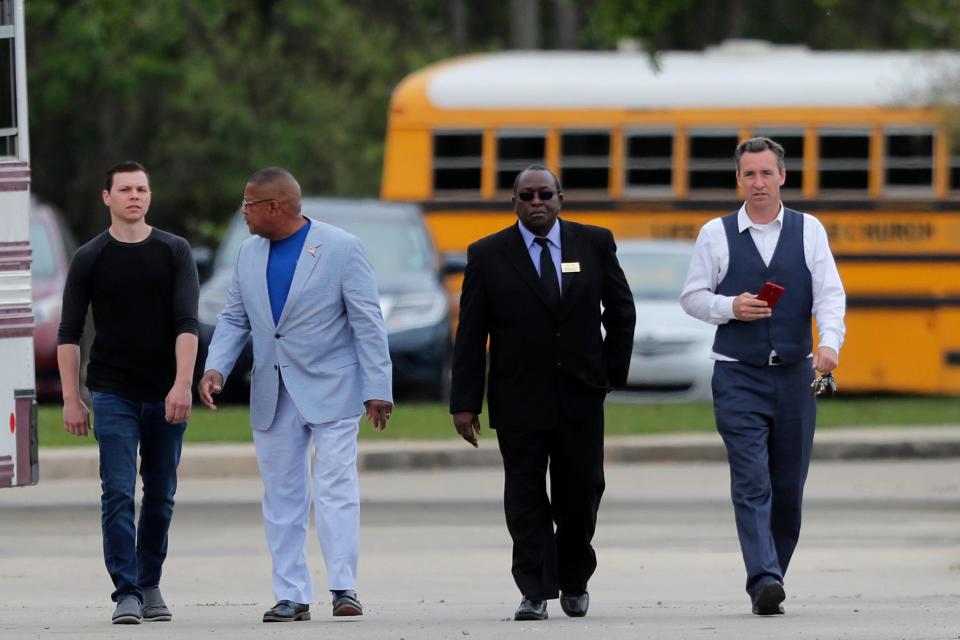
542,357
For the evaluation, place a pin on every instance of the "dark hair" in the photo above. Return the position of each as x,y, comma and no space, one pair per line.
127,166
270,174
757,145
536,167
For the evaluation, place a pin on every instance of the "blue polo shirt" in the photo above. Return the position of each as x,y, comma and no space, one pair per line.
281,266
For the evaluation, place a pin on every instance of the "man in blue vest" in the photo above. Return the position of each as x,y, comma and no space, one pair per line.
765,360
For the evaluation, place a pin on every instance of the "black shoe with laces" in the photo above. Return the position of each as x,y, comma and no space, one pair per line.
531,610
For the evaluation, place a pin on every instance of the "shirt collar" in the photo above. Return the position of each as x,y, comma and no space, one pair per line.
744,222
553,235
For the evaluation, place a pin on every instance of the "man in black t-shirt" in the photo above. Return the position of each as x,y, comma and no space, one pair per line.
142,285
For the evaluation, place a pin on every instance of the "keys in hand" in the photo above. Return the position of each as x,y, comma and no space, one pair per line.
823,385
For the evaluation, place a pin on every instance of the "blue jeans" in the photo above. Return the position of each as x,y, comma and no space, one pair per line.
134,557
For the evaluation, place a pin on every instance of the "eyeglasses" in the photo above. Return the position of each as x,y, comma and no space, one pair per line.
244,204
527,196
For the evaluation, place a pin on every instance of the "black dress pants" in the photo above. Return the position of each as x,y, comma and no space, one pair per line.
547,559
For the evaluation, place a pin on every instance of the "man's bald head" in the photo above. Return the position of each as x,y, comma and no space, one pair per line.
275,203
279,183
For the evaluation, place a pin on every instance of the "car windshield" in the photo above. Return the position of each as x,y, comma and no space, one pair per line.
44,261
394,246
655,276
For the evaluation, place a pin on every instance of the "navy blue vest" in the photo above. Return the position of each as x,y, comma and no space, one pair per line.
788,330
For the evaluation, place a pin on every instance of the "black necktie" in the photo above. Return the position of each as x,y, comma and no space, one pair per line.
548,272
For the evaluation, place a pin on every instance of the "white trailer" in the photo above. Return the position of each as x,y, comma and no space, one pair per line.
18,413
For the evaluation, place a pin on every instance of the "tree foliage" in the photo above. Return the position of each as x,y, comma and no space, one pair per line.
820,24
205,92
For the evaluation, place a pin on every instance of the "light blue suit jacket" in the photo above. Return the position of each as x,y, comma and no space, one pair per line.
330,344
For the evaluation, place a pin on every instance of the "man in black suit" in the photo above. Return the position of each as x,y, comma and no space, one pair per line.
540,290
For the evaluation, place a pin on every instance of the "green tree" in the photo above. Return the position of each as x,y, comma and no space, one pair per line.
204,93
820,24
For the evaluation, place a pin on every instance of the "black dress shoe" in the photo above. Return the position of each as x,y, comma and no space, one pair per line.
575,606
766,602
531,610
287,611
346,603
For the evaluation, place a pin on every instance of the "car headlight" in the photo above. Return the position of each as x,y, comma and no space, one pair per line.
413,310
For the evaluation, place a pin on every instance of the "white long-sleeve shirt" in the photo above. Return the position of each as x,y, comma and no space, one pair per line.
711,259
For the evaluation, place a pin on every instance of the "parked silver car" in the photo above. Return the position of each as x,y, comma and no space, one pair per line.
670,349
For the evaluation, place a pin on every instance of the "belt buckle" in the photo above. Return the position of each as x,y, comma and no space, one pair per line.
774,360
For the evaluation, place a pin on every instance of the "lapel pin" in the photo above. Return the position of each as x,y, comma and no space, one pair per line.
312,251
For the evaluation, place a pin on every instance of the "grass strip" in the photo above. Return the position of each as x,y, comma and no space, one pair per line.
427,421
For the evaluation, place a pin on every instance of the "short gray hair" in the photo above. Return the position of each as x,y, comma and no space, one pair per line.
758,145
269,175
537,167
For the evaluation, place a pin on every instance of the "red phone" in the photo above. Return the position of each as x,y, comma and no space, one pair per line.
770,294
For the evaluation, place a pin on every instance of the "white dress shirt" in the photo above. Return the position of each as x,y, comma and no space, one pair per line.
711,259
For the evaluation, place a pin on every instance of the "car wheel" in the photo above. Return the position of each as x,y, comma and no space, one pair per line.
440,389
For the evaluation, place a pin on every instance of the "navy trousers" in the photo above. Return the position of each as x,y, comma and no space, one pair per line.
766,417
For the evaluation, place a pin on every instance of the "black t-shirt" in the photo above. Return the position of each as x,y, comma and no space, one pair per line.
143,295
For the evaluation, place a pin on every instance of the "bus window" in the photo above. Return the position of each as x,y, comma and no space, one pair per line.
791,139
585,160
516,150
955,171
8,111
710,166
457,160
844,159
649,163
909,161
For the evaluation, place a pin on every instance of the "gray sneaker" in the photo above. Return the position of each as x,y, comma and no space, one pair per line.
128,611
154,608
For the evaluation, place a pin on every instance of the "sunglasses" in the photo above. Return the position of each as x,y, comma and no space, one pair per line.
527,196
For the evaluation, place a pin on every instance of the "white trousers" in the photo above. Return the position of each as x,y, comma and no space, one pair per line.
283,455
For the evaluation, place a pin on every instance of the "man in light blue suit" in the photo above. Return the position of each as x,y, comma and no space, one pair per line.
306,294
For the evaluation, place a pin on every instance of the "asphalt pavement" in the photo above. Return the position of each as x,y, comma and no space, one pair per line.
879,558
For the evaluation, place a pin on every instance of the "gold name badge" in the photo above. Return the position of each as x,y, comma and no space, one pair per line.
569,267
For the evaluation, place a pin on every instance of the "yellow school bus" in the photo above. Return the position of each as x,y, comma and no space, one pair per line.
645,148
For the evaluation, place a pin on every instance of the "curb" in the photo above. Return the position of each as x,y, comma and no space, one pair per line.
238,460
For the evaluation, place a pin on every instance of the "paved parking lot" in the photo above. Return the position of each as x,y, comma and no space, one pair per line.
879,558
